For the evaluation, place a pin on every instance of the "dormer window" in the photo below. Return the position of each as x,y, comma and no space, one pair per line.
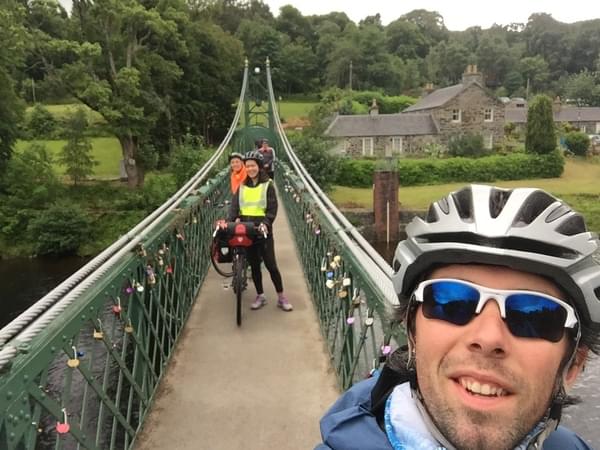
488,115
456,115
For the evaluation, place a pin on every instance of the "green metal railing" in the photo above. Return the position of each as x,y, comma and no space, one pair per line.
355,318
89,378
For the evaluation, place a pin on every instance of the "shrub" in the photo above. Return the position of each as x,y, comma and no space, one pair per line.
411,172
41,123
314,153
59,230
188,157
577,143
541,136
470,145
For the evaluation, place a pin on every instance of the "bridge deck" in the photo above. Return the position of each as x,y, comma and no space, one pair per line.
263,385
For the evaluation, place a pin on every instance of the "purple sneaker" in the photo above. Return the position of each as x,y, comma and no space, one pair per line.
284,304
259,302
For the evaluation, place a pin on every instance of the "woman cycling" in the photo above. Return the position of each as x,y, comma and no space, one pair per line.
238,171
255,201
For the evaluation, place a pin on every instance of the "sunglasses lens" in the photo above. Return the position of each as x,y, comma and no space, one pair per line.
532,316
450,301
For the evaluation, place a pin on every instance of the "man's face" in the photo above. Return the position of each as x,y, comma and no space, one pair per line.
515,376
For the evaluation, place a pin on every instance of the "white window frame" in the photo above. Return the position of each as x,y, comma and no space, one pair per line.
367,146
488,115
456,115
597,127
490,141
397,145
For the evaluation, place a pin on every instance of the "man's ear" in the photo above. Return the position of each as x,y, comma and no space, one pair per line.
577,366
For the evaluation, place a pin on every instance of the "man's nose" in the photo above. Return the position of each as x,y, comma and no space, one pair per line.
487,332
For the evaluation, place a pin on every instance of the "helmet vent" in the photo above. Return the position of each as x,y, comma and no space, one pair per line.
464,204
397,265
504,242
573,225
558,212
432,215
532,207
498,199
597,293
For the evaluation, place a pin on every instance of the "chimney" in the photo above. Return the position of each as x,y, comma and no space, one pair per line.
374,109
472,75
556,105
428,88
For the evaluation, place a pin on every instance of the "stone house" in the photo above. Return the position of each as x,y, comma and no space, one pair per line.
585,118
467,107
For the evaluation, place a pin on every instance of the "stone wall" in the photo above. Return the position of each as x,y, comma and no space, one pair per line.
472,103
382,146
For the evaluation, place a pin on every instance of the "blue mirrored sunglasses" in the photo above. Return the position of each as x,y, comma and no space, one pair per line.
527,314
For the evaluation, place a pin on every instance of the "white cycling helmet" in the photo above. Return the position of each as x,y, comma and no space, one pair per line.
525,229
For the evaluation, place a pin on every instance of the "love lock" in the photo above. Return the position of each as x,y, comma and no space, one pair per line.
73,362
323,264
329,275
150,276
347,281
63,427
116,309
317,231
337,259
330,283
350,320
369,321
343,293
139,287
333,265
128,328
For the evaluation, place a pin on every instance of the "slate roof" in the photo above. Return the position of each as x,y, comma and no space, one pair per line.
437,98
566,114
382,125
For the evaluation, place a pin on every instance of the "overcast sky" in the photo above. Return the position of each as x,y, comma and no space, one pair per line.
458,14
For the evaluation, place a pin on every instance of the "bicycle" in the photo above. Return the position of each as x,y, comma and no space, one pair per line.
229,246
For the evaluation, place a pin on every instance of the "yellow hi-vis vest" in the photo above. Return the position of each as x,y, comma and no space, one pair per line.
253,200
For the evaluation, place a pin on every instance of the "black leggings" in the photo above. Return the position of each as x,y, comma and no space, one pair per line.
264,250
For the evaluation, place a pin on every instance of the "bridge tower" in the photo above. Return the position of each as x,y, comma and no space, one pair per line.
259,113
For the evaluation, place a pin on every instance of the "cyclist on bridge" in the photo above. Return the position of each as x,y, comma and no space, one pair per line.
499,295
255,201
238,171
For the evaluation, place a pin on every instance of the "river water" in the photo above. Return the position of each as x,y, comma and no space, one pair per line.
23,281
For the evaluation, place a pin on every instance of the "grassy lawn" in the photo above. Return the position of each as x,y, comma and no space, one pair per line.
106,150
289,110
62,111
579,186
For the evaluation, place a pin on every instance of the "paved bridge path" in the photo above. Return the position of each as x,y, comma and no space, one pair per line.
263,385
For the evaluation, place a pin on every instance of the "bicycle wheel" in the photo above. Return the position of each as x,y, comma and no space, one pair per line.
239,277
214,259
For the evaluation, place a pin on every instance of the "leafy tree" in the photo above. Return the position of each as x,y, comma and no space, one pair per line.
314,152
431,24
577,143
120,64
447,61
405,39
187,159
584,88
14,37
60,229
76,154
540,136
536,72
297,27
41,123
261,41
297,68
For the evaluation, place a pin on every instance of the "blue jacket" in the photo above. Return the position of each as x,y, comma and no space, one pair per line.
350,424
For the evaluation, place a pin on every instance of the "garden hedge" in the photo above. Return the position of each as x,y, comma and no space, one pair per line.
413,172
